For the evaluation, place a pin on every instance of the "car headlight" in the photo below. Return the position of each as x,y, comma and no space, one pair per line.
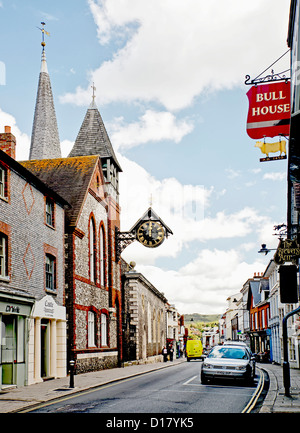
241,368
207,365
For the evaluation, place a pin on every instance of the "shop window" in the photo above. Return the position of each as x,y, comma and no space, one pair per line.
103,330
91,329
50,272
3,256
50,212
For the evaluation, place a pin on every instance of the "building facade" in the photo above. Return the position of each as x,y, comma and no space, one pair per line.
144,319
89,180
32,312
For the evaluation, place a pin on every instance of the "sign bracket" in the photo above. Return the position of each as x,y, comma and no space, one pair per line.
270,77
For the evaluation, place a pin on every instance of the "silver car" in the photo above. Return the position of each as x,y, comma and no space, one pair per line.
228,362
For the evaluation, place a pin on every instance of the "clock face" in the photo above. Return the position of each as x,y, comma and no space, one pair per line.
151,234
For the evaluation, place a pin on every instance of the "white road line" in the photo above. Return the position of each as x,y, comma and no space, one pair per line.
190,380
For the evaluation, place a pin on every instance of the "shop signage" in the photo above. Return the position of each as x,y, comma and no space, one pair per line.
48,308
287,251
14,308
269,110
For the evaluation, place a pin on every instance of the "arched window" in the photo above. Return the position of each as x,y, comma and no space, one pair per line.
92,252
91,329
102,256
103,330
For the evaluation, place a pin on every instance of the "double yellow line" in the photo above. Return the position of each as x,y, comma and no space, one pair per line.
256,395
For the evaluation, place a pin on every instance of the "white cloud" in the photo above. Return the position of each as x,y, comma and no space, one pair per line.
152,126
213,274
23,140
176,50
275,176
232,174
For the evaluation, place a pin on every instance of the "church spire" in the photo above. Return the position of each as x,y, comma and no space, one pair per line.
92,138
45,142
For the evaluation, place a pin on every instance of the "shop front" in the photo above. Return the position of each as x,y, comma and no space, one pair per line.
14,331
47,341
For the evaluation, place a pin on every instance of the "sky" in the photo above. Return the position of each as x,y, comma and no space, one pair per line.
170,87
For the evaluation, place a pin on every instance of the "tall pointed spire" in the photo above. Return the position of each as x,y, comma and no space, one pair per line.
45,143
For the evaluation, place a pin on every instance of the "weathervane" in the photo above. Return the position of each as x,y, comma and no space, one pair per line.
43,43
94,96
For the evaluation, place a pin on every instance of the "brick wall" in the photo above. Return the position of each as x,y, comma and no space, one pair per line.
24,214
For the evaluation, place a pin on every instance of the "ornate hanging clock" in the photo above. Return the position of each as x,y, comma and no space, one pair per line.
149,230
150,233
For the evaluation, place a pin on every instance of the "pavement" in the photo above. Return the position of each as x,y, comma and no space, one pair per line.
276,401
22,399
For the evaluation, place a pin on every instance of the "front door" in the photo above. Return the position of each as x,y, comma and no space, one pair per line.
9,350
44,348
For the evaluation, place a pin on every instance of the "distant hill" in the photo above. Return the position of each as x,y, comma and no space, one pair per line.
206,318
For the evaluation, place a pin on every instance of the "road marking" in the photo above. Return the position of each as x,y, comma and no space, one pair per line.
190,380
256,394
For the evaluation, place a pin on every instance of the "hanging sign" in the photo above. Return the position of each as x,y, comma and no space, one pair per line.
287,251
269,110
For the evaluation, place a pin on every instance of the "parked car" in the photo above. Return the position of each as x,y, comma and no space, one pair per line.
228,362
235,343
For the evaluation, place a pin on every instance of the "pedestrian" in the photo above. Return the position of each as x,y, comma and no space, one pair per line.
171,353
165,354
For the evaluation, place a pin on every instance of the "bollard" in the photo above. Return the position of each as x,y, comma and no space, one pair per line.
72,365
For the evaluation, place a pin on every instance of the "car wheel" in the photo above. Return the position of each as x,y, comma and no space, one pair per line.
188,359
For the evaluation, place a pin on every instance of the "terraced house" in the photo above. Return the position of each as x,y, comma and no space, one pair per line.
32,311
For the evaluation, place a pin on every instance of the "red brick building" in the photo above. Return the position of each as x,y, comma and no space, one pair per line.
89,180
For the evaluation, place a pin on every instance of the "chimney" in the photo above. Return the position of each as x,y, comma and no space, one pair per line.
8,142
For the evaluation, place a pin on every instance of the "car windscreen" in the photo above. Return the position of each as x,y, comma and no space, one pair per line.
228,352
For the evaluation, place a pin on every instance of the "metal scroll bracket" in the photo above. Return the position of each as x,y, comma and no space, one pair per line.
270,77
123,239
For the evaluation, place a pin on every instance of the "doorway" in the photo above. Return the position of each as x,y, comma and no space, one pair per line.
8,349
45,355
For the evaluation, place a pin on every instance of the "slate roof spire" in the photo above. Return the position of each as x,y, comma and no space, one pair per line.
45,141
92,138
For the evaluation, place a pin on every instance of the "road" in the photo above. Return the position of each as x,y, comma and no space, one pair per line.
171,390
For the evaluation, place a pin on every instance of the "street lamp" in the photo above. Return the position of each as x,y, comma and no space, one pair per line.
264,250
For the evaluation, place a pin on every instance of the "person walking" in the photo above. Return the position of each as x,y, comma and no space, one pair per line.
171,353
165,354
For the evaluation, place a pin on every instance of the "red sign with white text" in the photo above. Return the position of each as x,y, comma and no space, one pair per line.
269,110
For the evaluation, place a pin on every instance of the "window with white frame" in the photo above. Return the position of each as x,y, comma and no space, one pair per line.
92,252
2,182
49,212
3,255
263,319
91,329
50,269
103,330
102,257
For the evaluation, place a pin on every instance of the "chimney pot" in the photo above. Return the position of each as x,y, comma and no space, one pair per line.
7,129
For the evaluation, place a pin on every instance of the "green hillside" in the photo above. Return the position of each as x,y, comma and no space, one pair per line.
206,318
